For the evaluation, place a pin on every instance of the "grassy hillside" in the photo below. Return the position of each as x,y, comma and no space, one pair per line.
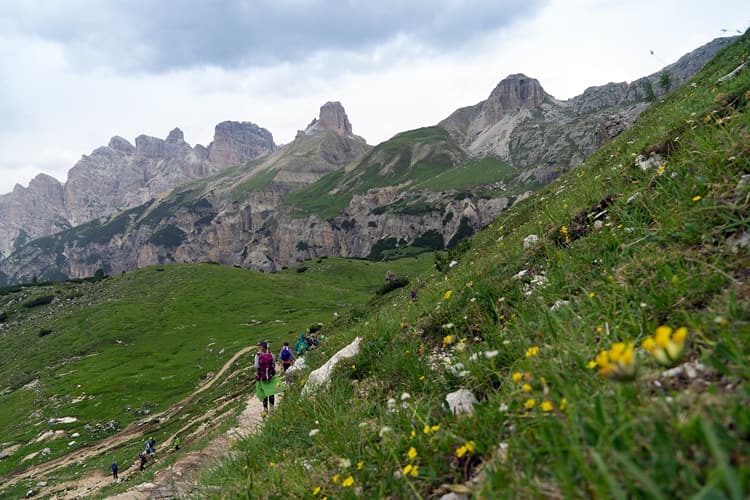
559,340
423,159
122,348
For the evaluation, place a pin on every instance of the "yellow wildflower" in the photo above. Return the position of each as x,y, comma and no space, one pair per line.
563,403
665,345
435,428
447,295
335,478
529,404
466,448
599,329
413,434
414,471
426,429
547,406
421,378
317,490
244,467
407,469
591,365
470,284
360,464
527,387
697,197
272,464
448,339
532,351
517,376
617,363
347,482
592,295
412,453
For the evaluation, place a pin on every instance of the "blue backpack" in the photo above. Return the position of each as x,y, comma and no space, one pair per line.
286,353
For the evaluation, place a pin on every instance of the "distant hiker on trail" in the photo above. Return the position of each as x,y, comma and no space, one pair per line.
149,450
286,356
176,443
267,383
413,295
114,471
152,445
143,460
301,346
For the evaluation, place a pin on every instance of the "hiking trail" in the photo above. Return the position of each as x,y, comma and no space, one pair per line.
174,481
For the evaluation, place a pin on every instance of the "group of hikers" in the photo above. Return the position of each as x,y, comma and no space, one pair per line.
267,383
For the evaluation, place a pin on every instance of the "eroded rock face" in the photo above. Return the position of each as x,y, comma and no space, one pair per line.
120,176
332,117
236,142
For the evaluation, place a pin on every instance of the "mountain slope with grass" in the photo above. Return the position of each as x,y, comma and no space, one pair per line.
602,326
88,368
329,193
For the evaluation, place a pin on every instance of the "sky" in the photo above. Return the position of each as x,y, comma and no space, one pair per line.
74,73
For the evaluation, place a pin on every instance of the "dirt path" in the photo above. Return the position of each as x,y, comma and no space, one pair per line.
85,486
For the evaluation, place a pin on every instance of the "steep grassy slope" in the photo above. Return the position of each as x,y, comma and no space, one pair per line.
548,336
125,347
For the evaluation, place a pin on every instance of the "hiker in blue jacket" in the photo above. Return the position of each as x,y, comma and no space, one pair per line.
286,356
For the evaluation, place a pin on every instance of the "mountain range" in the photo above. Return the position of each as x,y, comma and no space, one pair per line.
246,202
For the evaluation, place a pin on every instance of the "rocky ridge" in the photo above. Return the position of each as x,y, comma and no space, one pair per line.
243,218
120,176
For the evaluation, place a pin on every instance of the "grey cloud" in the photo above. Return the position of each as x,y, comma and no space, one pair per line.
158,36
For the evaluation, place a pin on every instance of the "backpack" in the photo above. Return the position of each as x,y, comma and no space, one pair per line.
286,353
266,368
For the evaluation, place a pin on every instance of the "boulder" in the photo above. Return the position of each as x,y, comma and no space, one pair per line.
321,376
461,401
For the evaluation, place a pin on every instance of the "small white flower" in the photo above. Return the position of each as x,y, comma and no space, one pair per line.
452,263
448,326
473,299
491,354
644,305
503,445
474,357
464,373
460,347
405,396
506,342
391,403
313,432
345,463
362,425
384,430
503,408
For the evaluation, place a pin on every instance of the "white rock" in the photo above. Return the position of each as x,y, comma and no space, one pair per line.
530,241
453,496
75,435
299,365
461,401
322,375
46,451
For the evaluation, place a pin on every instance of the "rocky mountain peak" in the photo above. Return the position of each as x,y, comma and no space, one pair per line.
332,117
122,145
236,142
175,136
515,92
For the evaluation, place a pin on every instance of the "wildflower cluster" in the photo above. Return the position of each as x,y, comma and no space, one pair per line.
411,469
466,448
617,363
666,346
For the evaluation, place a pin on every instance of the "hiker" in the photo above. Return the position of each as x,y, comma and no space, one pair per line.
413,294
114,471
176,443
149,450
301,346
152,444
143,460
267,383
286,356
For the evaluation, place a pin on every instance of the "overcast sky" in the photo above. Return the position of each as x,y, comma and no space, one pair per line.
73,73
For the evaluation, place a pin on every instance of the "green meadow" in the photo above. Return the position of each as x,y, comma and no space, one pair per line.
125,347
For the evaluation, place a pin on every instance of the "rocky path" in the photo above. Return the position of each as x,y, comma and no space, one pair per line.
167,483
